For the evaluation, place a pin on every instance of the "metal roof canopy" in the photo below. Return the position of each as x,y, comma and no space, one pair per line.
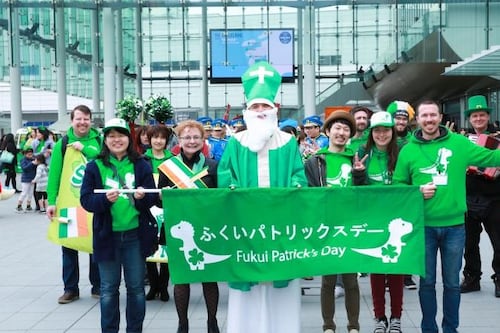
486,63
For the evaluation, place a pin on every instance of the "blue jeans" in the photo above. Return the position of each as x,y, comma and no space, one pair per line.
71,271
450,242
127,255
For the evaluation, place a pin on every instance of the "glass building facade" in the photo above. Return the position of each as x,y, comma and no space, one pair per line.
102,51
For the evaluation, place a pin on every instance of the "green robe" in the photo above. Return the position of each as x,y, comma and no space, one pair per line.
278,164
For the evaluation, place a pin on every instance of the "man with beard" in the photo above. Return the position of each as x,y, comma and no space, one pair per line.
362,116
402,113
435,159
483,206
262,156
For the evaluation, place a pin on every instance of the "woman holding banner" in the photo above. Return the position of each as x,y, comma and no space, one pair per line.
380,154
173,174
158,136
115,189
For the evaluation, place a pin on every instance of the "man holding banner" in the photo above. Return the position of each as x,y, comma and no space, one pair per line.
435,159
334,166
262,156
83,143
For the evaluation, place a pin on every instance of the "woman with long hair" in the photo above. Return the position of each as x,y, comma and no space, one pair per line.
9,145
379,155
124,231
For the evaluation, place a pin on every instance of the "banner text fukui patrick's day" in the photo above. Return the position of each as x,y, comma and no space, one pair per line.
283,233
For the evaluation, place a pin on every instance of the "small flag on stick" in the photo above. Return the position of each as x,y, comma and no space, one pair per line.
73,222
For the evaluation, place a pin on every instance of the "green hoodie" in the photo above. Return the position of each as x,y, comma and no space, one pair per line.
120,174
91,148
356,143
442,160
338,167
376,166
155,162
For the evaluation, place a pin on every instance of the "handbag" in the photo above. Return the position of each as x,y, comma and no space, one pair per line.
6,157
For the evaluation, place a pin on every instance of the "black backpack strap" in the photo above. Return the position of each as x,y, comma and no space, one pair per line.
64,144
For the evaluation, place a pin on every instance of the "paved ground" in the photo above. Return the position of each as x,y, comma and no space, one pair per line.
30,283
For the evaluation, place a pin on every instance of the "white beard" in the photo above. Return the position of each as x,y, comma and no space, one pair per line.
260,130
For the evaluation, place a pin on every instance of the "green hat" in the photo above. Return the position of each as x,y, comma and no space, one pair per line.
381,118
477,103
260,83
116,123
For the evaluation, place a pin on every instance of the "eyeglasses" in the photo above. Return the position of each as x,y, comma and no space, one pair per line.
189,138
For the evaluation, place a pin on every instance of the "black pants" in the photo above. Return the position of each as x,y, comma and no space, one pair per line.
474,223
10,175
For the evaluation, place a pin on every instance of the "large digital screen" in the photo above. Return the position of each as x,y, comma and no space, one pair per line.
232,51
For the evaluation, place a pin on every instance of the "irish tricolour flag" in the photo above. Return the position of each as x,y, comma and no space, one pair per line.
73,222
181,175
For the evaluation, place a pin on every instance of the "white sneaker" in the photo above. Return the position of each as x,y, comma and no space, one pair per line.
339,292
380,325
329,330
395,325
353,331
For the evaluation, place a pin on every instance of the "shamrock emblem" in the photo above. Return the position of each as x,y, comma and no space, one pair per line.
389,251
440,168
196,257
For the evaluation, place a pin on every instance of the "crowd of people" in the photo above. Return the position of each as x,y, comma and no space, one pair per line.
401,145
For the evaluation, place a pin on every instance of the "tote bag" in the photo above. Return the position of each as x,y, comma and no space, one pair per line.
6,157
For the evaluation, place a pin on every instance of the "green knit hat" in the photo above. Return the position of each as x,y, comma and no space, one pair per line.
477,103
261,82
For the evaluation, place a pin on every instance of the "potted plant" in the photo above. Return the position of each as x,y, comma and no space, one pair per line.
159,108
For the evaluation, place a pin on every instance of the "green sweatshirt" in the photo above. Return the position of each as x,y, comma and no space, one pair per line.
91,148
356,143
376,166
403,140
442,161
120,175
155,162
338,167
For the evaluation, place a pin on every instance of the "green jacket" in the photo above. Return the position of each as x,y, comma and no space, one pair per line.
91,148
442,160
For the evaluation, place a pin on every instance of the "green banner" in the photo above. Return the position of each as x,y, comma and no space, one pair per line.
266,234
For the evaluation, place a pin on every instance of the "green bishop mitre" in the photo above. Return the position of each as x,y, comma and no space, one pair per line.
261,82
